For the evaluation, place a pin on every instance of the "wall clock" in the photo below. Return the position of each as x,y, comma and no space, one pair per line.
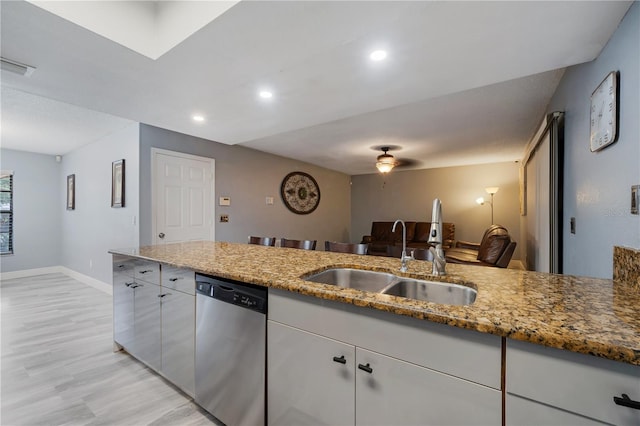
604,112
300,192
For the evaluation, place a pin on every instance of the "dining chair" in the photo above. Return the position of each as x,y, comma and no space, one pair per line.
299,244
263,241
345,247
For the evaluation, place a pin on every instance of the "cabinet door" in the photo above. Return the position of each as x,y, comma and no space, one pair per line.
310,378
146,315
394,392
524,412
123,326
178,338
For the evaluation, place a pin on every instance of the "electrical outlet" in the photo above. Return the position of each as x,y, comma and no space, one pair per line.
224,218
635,199
269,201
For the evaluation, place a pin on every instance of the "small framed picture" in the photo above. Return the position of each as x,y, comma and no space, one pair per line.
117,184
71,192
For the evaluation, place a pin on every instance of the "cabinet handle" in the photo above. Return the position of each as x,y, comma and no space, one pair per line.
340,359
164,294
146,271
366,368
173,280
625,401
135,286
129,284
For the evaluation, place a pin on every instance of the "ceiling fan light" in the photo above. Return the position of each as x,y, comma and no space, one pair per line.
385,162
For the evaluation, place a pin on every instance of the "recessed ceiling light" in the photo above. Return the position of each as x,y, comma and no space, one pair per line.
378,55
198,118
265,94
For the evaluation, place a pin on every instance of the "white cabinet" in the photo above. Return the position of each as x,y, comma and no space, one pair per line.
310,378
391,372
579,384
154,317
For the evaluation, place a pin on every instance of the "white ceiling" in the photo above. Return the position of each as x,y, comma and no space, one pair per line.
464,82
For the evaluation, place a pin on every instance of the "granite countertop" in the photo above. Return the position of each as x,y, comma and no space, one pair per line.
587,315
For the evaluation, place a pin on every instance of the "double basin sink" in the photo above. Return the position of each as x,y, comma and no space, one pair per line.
393,285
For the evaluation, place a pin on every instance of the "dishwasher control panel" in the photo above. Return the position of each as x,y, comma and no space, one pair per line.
237,293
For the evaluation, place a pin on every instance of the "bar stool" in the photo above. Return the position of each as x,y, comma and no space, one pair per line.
345,247
263,241
299,244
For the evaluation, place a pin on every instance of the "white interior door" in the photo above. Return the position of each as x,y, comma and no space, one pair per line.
183,189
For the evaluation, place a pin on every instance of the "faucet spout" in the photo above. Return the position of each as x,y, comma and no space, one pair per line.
403,257
435,239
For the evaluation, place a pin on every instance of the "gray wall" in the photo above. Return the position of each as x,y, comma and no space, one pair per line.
248,176
409,195
597,185
94,227
37,194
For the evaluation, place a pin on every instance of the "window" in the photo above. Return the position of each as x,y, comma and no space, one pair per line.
6,212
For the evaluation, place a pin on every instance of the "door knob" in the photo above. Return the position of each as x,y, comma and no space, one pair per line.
161,235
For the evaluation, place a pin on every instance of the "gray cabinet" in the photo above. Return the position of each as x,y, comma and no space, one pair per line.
310,378
178,338
394,392
154,317
392,371
570,383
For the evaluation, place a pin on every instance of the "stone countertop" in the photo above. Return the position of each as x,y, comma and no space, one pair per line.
587,315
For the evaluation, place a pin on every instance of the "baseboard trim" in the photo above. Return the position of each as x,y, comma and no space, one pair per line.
30,272
91,282
85,279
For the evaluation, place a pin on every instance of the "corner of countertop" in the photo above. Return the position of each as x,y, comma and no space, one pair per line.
626,267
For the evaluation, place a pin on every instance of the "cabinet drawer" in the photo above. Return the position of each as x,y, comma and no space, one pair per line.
578,383
524,412
123,265
444,348
147,270
180,279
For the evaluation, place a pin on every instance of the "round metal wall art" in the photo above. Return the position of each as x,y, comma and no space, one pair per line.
300,192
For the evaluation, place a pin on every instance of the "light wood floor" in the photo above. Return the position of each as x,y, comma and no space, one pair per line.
58,366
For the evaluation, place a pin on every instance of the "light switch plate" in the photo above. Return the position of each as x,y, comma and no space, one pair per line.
635,199
225,201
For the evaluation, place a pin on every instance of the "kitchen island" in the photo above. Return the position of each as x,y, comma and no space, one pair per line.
589,316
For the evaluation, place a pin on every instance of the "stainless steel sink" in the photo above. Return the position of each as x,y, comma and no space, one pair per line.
358,279
385,283
432,291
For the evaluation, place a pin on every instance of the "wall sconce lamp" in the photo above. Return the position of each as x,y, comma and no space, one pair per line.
491,190
385,162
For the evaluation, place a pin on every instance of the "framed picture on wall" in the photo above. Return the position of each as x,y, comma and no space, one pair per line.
71,192
117,184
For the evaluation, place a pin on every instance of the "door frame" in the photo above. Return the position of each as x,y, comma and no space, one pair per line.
212,164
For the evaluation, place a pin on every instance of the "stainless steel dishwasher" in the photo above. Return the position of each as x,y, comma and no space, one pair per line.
231,327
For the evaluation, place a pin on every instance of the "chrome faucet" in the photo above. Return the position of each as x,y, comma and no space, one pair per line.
435,239
403,257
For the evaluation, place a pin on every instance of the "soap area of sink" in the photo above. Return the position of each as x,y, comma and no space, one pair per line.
441,292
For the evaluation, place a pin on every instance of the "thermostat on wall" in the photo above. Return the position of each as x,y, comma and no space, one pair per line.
225,201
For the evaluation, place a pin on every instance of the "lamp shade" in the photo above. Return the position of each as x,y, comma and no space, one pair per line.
492,189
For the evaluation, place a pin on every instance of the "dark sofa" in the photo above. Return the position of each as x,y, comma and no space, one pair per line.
417,236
